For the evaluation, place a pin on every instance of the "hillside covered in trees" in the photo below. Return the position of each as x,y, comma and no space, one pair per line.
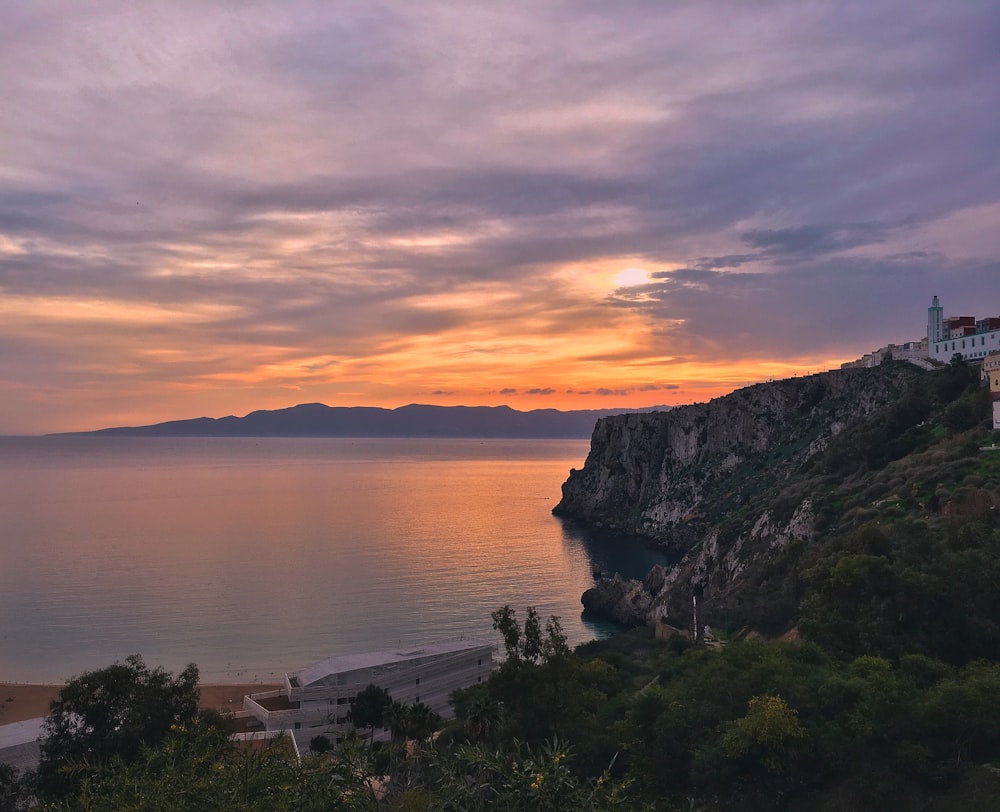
857,667
751,491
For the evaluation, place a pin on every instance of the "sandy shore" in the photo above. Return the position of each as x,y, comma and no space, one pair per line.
20,701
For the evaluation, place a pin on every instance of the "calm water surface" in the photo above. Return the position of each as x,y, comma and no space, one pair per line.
254,556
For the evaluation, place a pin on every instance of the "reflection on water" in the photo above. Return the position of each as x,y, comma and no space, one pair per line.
610,553
251,556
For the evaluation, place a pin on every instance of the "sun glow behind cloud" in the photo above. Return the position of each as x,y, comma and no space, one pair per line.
631,277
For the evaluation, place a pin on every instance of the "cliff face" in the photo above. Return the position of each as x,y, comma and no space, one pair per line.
702,478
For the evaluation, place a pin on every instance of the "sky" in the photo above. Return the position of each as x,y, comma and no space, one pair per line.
208,208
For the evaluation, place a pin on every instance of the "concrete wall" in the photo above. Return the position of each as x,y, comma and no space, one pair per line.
971,347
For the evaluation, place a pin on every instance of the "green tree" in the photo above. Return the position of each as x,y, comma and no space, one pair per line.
369,708
320,744
769,733
554,646
531,648
480,711
198,768
475,777
505,622
13,795
112,713
963,713
397,717
422,722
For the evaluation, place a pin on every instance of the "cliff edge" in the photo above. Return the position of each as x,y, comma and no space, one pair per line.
726,484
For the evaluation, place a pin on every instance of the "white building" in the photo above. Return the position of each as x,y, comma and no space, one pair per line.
991,371
946,337
317,699
913,351
971,339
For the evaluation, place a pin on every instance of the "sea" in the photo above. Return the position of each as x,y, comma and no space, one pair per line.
255,556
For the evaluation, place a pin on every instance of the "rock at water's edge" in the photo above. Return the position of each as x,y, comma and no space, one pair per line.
624,601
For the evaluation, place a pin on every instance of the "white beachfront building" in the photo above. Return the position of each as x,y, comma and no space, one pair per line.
317,699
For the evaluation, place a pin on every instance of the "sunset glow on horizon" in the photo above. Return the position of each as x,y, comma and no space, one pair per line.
207,210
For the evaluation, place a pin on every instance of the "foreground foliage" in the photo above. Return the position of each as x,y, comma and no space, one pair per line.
111,714
642,725
197,768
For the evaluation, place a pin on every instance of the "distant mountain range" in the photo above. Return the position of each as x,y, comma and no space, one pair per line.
318,420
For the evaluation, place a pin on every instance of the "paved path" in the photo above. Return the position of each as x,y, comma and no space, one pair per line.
19,743
20,732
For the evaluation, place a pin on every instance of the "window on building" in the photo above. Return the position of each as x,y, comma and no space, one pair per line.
418,680
298,725
417,699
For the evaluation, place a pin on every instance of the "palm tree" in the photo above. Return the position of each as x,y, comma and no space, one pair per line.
423,722
483,718
397,718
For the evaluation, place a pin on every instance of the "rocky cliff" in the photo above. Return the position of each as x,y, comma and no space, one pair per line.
717,481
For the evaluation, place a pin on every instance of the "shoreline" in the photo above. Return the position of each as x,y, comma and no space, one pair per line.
21,701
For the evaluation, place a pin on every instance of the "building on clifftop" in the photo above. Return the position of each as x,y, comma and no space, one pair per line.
947,336
972,338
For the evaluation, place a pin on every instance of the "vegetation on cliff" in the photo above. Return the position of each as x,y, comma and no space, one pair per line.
884,464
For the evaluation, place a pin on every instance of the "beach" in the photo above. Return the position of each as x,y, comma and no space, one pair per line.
22,701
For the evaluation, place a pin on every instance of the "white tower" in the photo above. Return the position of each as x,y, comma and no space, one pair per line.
935,324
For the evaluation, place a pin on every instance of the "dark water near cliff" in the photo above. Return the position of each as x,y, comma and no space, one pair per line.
252,556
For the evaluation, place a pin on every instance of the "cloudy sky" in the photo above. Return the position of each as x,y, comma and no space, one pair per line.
212,207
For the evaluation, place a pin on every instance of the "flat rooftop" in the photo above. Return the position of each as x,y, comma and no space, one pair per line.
277,703
317,673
